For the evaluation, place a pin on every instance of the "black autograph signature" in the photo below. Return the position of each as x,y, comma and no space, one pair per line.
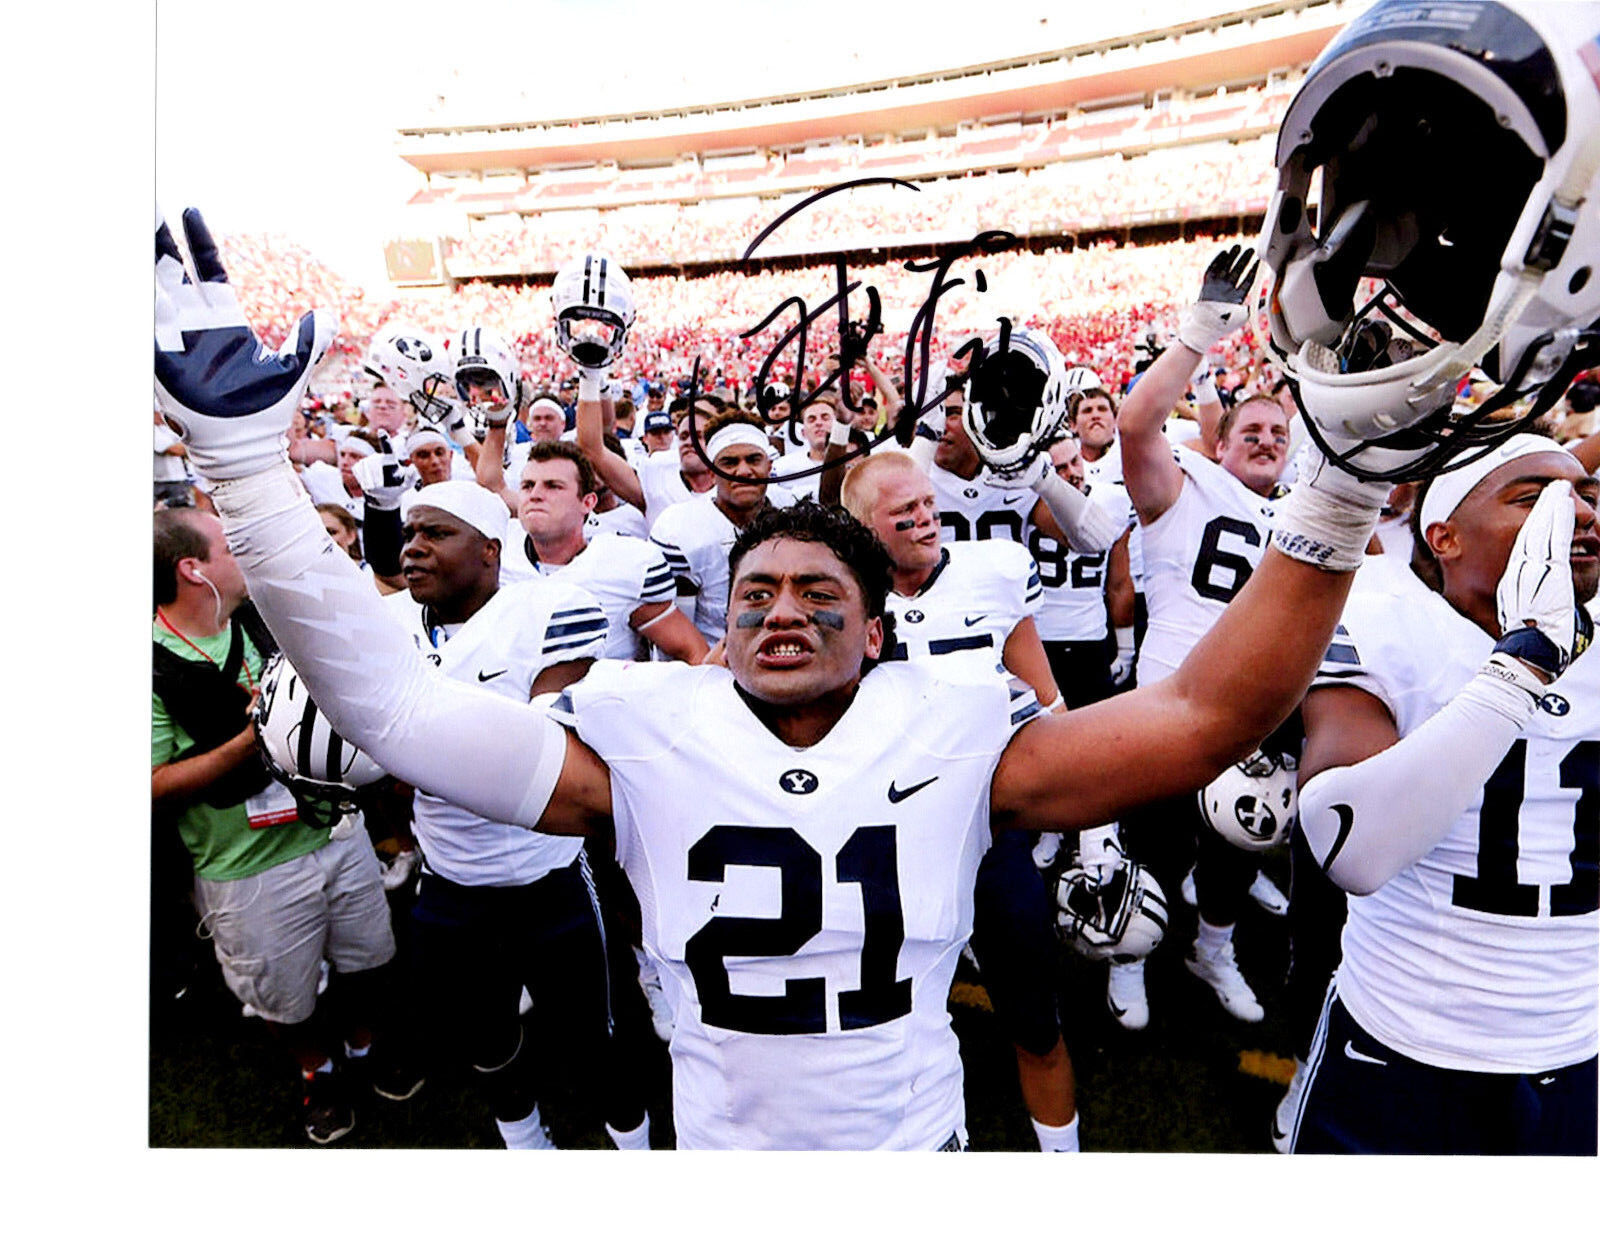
855,337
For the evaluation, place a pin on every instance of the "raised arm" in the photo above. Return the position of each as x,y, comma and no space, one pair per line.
1373,803
1087,767
489,469
361,667
1153,477
615,471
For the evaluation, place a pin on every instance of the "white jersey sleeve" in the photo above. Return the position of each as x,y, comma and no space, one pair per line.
807,906
661,483
1482,955
501,650
621,573
695,537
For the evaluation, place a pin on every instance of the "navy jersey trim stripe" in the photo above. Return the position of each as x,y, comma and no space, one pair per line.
959,643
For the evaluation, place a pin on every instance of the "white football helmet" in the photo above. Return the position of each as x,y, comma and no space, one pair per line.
302,750
1253,803
1081,378
1459,153
1116,913
593,303
484,359
1016,397
415,367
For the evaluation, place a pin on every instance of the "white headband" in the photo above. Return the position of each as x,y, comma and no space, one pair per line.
359,446
421,434
466,500
1447,491
736,434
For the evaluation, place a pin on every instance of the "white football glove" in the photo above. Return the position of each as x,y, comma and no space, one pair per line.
1100,850
383,478
1224,302
227,396
1122,663
1543,625
1030,476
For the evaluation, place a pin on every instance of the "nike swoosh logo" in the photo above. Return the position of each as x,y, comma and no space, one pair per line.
1113,1005
1349,1050
1013,500
482,677
972,622
1347,817
898,795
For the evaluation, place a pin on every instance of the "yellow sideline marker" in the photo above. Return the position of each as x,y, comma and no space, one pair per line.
1266,1065
974,996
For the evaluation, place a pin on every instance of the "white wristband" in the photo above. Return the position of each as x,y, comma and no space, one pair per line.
839,434
589,385
1206,323
1328,525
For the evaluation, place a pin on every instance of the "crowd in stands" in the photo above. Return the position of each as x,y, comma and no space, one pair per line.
1096,302
1088,194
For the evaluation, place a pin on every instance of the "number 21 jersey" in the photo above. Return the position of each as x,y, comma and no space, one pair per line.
808,905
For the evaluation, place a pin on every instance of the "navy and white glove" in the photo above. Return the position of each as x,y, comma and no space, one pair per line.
1224,300
229,398
383,477
1545,629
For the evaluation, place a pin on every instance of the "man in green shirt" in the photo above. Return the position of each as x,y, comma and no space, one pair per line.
275,894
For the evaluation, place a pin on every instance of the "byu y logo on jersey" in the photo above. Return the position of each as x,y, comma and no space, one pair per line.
1555,705
798,781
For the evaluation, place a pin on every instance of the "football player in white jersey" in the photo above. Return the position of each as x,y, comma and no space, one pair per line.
1081,590
802,827
969,607
1092,415
629,577
1454,790
1205,527
817,424
500,908
696,535
663,478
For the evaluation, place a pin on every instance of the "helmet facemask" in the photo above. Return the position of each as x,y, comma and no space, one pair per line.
1015,398
592,337
1434,151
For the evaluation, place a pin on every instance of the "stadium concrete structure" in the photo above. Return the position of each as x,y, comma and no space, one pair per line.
688,187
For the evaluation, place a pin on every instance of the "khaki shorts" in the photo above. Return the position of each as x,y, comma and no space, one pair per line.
272,929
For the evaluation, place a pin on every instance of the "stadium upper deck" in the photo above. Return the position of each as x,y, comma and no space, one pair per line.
1236,47
1217,77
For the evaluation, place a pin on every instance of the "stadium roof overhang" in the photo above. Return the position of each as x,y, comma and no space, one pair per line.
665,138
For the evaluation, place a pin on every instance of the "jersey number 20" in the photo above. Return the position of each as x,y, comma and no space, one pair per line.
868,858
